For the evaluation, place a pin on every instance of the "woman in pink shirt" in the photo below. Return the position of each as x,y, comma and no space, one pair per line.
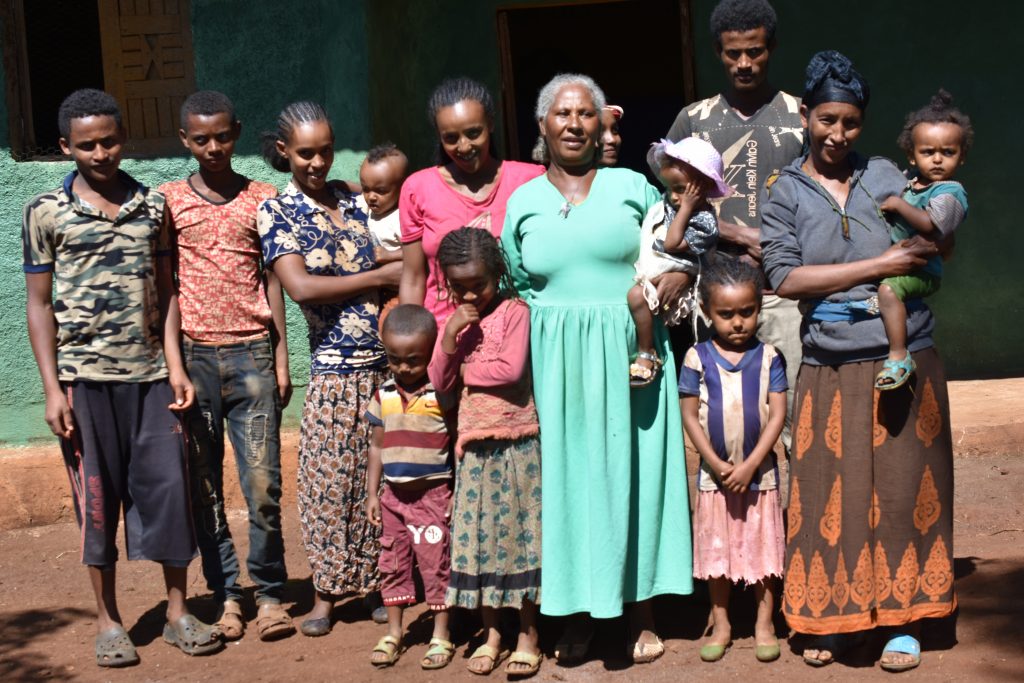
468,188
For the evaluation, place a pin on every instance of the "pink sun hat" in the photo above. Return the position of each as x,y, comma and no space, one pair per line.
703,157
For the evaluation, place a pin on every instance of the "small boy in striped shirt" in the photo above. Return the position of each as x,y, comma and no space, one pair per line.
410,447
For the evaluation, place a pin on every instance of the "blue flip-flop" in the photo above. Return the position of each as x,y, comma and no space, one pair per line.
904,645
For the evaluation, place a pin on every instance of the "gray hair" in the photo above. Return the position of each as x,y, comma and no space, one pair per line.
546,99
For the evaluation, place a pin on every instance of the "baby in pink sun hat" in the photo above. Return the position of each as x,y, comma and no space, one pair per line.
676,232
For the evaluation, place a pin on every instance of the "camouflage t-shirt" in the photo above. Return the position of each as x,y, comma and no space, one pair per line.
105,272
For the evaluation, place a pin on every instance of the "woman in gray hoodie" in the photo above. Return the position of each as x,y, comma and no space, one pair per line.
870,534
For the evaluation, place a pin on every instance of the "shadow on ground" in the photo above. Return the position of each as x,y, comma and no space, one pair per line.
19,660
991,596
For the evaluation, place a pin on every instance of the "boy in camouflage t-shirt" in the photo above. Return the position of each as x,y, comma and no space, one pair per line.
112,386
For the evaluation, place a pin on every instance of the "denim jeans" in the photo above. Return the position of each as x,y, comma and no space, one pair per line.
236,383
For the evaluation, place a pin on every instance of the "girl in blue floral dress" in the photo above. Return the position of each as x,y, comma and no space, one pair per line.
316,241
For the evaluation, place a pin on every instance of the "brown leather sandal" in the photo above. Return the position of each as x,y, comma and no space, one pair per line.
273,622
231,624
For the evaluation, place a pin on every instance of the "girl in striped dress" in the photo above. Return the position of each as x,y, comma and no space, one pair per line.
733,390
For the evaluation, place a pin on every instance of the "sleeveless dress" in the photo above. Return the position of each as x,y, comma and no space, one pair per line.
615,522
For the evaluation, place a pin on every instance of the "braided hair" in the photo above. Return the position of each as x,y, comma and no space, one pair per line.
725,271
293,115
939,110
450,92
470,244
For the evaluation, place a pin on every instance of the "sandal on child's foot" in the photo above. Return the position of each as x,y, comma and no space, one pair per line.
714,651
523,664
192,636
438,655
231,624
493,656
273,622
895,373
115,649
389,650
767,652
642,375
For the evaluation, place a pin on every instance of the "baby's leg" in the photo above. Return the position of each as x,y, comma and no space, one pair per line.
644,321
894,318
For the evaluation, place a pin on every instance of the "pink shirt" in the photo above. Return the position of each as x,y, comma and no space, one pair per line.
220,266
496,398
429,209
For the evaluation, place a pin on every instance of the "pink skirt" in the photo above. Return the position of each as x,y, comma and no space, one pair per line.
739,537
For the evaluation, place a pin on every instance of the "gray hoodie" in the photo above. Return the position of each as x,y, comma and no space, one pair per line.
802,225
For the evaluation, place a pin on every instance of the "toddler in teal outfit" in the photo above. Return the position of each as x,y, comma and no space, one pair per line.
936,139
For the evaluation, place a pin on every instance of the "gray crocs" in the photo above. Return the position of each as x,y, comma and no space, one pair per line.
115,649
192,636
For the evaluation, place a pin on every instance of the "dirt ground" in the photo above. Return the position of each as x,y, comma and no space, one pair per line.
47,623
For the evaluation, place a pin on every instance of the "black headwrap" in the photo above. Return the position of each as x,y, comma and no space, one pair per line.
832,78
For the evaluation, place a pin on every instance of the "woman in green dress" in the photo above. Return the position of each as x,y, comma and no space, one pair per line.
615,527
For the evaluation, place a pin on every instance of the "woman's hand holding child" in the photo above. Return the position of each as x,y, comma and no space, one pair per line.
907,256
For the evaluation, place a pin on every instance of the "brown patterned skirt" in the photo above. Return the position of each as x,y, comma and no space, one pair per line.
334,446
870,537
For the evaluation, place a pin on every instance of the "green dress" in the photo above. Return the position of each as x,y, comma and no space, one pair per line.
615,515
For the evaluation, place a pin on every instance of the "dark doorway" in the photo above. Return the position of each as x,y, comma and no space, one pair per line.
639,52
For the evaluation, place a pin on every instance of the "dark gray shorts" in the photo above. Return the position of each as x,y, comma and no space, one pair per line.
127,453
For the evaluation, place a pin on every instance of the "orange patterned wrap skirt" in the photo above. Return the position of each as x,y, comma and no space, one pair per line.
870,535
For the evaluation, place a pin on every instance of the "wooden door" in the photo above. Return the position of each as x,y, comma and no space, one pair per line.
148,67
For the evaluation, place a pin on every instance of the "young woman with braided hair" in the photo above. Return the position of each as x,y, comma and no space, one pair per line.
316,241
469,186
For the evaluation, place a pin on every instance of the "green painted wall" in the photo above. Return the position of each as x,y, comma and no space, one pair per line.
906,50
239,50
375,67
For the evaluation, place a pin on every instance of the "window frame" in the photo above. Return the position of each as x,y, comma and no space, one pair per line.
21,134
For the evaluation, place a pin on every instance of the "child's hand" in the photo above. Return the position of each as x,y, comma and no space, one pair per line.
723,470
891,204
58,415
739,478
184,392
464,316
284,385
691,196
373,509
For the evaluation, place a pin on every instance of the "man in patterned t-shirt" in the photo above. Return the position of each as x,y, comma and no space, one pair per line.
757,130
114,380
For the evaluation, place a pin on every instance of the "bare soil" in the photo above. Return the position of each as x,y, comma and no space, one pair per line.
47,614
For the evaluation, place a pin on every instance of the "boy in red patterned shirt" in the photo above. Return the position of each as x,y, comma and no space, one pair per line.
233,336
